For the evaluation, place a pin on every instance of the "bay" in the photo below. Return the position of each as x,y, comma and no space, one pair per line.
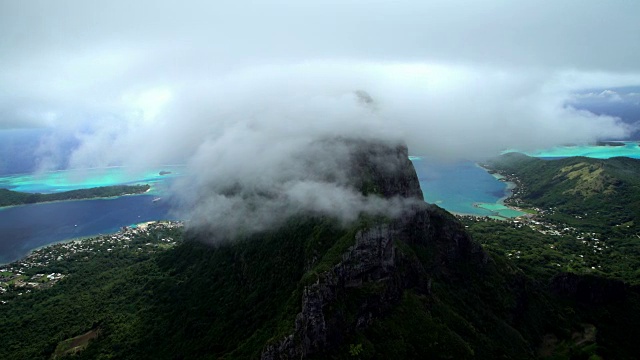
27,227
462,187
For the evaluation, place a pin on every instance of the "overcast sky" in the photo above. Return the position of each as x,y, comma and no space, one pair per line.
457,78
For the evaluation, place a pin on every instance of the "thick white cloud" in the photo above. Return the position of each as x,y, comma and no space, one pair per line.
451,111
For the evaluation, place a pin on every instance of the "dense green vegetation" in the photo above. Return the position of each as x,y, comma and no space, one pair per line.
104,289
228,300
497,310
596,201
9,197
545,255
225,300
601,195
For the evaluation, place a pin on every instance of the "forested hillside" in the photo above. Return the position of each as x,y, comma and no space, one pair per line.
581,191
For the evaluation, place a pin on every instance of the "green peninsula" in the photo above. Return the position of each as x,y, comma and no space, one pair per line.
598,194
9,197
587,216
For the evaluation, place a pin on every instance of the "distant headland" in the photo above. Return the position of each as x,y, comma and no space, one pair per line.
12,198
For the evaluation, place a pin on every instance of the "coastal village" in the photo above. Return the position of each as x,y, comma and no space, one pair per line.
592,246
44,267
592,241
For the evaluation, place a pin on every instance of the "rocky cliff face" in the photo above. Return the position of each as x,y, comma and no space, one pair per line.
372,260
383,169
373,273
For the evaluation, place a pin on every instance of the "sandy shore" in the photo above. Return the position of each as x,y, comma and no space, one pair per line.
508,191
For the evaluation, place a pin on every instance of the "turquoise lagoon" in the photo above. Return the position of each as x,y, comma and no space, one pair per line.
65,180
628,149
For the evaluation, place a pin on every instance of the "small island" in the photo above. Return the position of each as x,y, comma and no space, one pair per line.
10,198
164,172
610,143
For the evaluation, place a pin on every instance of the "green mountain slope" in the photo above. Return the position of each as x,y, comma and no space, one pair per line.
594,204
582,191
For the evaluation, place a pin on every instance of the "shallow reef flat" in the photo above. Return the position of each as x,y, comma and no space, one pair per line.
64,180
627,148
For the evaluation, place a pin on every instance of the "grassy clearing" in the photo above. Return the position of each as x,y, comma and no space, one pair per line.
528,211
19,278
75,344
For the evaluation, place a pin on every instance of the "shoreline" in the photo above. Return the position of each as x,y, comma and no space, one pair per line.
509,191
79,239
510,184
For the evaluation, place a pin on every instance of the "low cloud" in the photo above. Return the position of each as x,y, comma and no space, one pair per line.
240,193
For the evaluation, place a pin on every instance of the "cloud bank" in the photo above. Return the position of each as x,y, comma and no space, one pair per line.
237,90
447,111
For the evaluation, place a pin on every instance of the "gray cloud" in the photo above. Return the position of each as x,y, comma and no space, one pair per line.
582,34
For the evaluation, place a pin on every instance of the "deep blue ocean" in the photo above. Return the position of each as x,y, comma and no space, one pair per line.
24,228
